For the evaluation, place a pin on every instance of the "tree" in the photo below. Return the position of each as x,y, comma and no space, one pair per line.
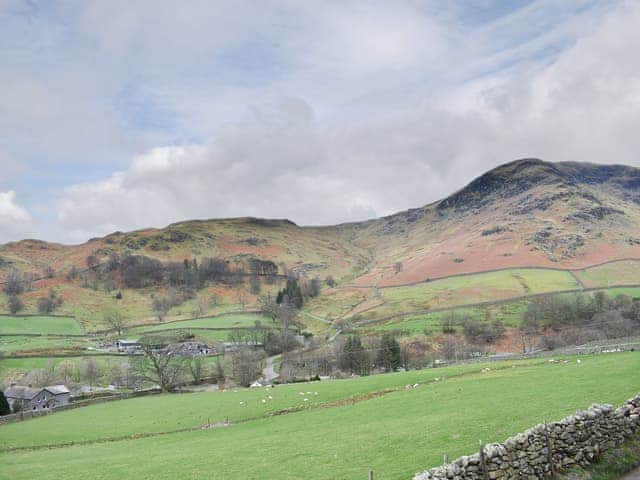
397,267
5,409
330,281
354,357
242,299
220,377
116,321
14,283
159,365
291,294
49,303
389,354
66,371
90,371
92,261
254,284
48,272
196,368
14,304
246,365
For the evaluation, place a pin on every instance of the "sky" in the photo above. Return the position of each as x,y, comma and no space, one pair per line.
119,115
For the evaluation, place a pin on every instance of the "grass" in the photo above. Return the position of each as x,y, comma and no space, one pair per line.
612,465
482,287
396,434
228,321
11,367
33,345
510,313
618,273
39,324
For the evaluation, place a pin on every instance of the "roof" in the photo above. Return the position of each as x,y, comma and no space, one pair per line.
24,393
57,389
27,393
128,341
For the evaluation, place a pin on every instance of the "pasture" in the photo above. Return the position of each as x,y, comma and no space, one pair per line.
624,272
348,426
470,289
45,325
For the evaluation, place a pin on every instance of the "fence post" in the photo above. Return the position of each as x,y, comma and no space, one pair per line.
370,473
445,459
549,450
483,463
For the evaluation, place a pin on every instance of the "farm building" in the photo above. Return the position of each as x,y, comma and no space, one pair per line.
192,349
128,346
27,398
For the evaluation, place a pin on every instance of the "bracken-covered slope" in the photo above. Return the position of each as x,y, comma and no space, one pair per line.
524,213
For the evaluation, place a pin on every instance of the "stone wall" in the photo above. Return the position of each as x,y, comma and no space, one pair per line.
27,414
544,449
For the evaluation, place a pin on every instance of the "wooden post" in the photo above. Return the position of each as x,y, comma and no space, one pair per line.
445,459
483,463
370,473
549,450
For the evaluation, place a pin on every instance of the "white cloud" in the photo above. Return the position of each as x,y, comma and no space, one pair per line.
285,161
318,111
13,218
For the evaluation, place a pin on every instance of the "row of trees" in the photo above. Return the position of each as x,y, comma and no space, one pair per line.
353,354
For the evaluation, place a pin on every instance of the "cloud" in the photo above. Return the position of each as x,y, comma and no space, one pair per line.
13,218
120,115
285,160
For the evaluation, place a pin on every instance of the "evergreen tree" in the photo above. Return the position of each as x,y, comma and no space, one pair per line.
389,352
4,405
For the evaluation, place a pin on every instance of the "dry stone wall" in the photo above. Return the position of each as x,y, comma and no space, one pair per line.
578,439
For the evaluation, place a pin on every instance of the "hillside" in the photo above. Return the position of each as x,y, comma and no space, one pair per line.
527,213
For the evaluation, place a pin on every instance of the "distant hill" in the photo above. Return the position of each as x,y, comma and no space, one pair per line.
527,213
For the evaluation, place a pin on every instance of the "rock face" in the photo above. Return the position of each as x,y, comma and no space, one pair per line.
576,440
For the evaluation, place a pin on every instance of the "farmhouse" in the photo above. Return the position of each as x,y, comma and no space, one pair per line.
27,398
191,349
128,346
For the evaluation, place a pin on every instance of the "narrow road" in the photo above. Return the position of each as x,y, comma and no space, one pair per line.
269,373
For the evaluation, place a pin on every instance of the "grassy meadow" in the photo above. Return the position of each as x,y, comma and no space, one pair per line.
348,426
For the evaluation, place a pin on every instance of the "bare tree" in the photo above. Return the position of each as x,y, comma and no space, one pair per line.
14,283
116,321
247,365
160,365
241,297
14,304
254,284
196,368
90,371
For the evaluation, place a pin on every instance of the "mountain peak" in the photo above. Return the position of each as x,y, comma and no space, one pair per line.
507,180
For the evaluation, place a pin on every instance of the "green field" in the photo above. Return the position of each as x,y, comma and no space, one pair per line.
617,273
40,324
16,344
13,366
469,289
228,321
510,313
396,434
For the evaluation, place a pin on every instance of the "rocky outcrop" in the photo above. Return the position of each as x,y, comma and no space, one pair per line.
544,449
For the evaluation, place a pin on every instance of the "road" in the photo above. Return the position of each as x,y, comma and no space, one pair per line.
269,373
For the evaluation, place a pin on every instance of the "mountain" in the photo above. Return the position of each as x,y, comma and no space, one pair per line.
527,213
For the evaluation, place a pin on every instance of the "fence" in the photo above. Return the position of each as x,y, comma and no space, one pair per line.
577,440
20,416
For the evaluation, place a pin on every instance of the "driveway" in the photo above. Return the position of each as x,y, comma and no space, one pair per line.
269,373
